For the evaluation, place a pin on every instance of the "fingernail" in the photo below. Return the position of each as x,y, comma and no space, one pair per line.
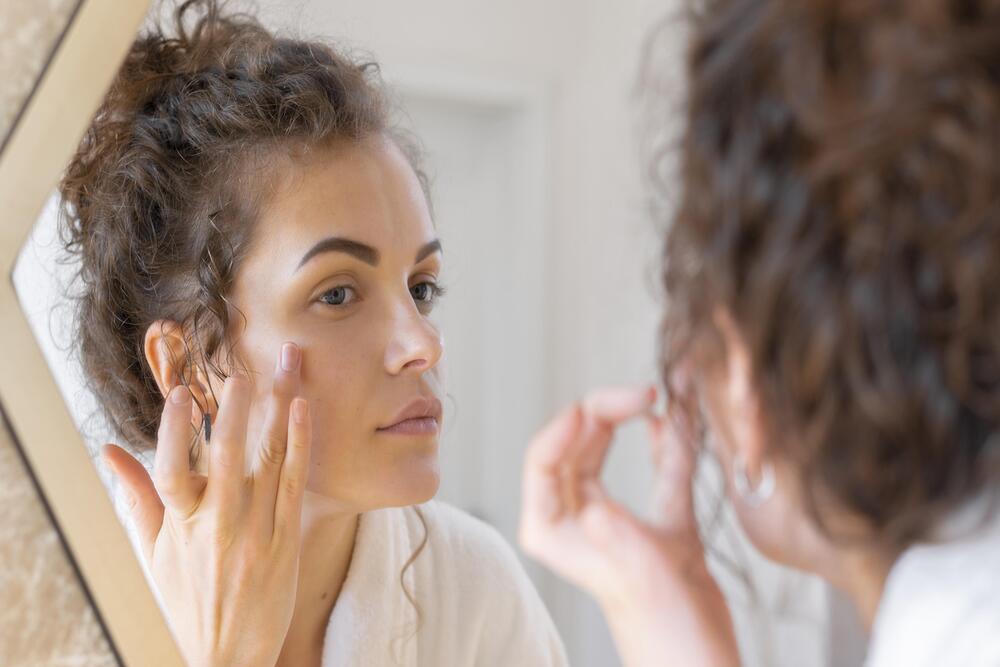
300,410
180,395
289,357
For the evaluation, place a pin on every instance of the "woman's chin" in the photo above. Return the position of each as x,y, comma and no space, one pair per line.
415,478
426,492
396,472
411,472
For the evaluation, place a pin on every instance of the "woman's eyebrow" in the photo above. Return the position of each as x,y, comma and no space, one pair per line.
365,253
428,250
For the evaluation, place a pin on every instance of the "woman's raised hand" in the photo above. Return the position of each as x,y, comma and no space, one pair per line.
224,549
652,581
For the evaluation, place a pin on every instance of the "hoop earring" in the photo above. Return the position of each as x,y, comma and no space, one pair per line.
765,489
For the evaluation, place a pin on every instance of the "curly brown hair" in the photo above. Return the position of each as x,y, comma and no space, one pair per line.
160,198
840,175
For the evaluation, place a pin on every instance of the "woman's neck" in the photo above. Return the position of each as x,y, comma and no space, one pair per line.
858,572
328,536
862,577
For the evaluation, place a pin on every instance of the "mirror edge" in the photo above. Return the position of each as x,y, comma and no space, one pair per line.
54,119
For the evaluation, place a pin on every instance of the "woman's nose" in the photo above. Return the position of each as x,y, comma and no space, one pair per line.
415,344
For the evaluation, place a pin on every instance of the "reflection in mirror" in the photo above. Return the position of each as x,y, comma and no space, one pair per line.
113,315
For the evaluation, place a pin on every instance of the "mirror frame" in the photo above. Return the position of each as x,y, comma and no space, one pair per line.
41,142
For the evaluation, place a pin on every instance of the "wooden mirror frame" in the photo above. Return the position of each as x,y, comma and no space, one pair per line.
42,139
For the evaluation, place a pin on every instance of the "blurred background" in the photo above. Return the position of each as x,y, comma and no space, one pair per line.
528,113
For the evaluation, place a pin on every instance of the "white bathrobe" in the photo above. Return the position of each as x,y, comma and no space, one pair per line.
477,606
941,604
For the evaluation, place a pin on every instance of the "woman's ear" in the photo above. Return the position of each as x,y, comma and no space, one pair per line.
167,355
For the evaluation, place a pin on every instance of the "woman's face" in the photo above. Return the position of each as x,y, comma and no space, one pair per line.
345,262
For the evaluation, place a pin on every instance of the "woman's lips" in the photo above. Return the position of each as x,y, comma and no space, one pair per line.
419,417
417,426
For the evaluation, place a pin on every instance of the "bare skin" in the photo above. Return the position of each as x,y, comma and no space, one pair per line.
326,543
216,543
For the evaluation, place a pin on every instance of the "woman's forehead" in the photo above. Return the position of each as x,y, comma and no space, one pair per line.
366,192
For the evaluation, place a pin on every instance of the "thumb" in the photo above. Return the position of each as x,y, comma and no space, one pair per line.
145,506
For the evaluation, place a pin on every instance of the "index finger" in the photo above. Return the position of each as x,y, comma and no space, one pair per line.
605,407
603,411
572,446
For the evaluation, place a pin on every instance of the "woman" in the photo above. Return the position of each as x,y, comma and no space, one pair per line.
833,318
237,195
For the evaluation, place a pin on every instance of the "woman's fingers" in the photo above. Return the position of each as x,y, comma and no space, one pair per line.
572,447
603,411
175,483
294,472
675,462
541,490
274,436
227,450
145,506
273,446
674,440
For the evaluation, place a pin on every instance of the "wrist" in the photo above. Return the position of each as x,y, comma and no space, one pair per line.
634,629
686,621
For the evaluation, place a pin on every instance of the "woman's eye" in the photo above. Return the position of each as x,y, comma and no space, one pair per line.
426,293
338,296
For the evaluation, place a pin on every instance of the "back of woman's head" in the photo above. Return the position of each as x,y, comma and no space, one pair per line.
160,197
841,200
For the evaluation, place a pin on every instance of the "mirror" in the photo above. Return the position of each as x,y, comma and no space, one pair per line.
526,132
74,590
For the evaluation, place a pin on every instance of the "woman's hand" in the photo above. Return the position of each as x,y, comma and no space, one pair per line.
224,549
652,581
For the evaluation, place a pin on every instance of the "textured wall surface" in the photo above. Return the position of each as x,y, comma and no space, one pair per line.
28,31
45,618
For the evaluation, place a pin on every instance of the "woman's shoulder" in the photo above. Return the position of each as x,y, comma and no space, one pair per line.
941,602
